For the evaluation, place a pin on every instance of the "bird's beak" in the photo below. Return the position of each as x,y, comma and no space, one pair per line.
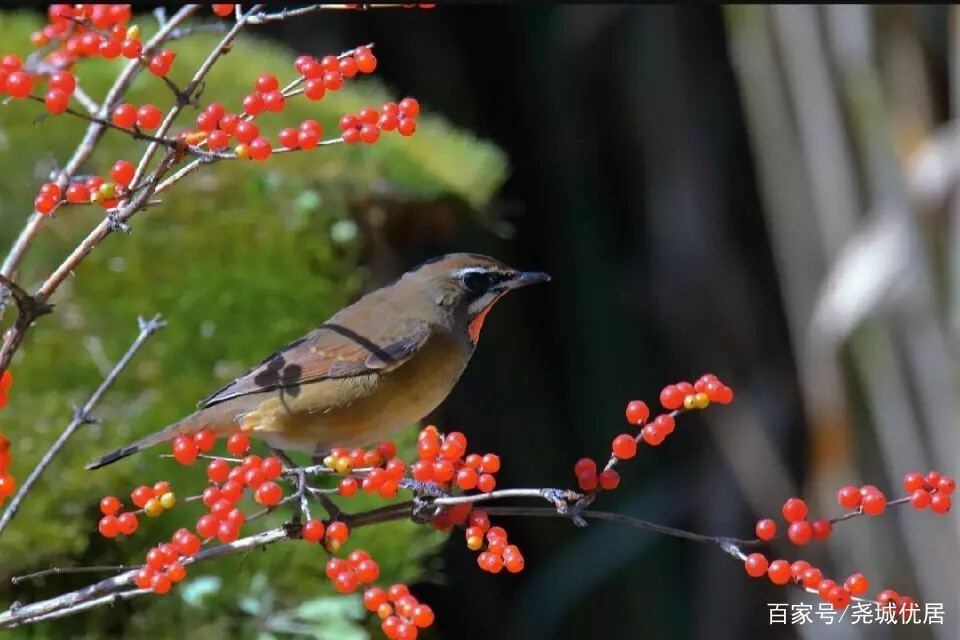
524,278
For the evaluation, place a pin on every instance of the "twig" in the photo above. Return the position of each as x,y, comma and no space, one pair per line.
52,571
81,417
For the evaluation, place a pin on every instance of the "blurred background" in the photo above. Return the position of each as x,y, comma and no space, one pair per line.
761,192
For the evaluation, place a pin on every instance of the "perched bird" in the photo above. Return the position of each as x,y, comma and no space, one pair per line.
376,366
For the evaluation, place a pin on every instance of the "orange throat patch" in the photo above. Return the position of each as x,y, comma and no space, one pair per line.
477,323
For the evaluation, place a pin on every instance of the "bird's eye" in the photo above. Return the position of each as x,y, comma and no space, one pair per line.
478,282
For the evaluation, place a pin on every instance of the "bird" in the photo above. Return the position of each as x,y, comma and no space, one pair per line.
375,367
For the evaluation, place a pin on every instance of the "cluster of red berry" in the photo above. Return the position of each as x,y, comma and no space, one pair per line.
382,476
801,572
7,484
932,490
367,124
444,460
675,398
349,573
800,530
498,554
162,567
402,614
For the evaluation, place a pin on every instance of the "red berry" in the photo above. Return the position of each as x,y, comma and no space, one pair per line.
486,483
338,531
266,82
149,117
839,597
797,569
218,140
122,172
205,440
308,139
779,572
274,101
346,582
624,446
260,149
932,479
799,532
252,104
238,443
289,138
206,122
369,133
653,435
246,131
766,529
312,531
665,423
824,588
160,584
671,398
367,571
856,584
348,487
268,494
920,499
218,470
348,67
409,107
913,481
44,204
637,412
406,126
947,485
109,506
314,89
62,80
820,529
229,122
609,479
756,565
56,101
467,479
231,490
11,62
125,115
159,66
366,63
222,10
388,121
131,48
873,504
185,450
144,578
109,526
332,80
490,463
271,468
128,523
940,503
587,480
849,497
227,532
888,596
811,578
140,495
19,84
422,616
794,509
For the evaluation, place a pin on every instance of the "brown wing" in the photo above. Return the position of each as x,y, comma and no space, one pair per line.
330,351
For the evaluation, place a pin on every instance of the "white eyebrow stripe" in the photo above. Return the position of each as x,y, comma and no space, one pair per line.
467,270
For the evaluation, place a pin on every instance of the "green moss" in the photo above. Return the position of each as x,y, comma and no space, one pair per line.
239,260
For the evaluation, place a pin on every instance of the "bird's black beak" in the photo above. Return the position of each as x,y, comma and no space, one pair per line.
524,278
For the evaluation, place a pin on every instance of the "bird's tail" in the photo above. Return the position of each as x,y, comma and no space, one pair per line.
191,424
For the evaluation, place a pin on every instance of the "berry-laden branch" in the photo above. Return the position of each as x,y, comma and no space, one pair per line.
76,33
81,417
447,484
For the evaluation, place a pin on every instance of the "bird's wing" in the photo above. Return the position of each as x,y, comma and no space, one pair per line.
330,351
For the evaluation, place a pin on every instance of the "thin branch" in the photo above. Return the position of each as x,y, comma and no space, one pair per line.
81,417
55,571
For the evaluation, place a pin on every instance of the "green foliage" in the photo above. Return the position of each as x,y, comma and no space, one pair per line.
240,258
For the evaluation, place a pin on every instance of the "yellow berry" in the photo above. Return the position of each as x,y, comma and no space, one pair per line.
702,400
242,151
330,462
474,543
331,545
108,190
168,499
344,465
133,33
153,508
690,402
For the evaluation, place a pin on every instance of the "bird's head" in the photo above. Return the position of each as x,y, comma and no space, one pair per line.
463,287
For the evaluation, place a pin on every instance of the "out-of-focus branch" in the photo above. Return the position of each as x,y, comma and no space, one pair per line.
81,417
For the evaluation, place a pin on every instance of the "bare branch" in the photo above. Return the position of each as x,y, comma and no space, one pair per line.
81,417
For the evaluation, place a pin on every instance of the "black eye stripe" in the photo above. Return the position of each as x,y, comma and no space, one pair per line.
479,282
